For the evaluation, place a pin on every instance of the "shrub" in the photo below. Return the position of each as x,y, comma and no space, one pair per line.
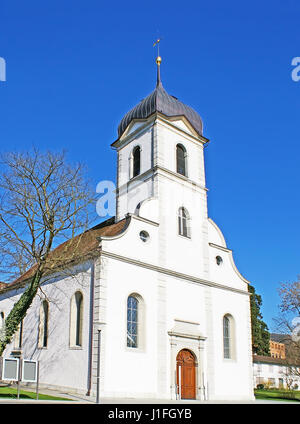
260,386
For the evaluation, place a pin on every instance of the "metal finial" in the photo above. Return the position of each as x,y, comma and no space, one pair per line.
158,62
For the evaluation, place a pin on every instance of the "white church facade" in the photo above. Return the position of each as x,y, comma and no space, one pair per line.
161,284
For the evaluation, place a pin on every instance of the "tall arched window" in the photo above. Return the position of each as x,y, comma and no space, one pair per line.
228,337
132,321
183,223
135,321
76,319
43,327
180,159
136,156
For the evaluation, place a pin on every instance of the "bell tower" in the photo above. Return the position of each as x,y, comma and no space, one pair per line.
160,140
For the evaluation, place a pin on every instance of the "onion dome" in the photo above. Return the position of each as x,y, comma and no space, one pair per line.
160,101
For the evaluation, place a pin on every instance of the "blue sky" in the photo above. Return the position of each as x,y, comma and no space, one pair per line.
74,68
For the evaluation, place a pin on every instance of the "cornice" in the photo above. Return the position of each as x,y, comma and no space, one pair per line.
166,271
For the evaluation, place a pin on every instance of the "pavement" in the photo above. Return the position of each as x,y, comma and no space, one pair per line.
82,399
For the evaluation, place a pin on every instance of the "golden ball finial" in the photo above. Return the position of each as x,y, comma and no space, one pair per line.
158,60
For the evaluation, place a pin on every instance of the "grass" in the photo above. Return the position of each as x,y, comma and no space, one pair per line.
277,394
11,393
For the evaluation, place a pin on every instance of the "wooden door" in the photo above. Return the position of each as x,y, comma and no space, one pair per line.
186,360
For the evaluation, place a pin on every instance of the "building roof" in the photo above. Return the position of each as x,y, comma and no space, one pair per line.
275,361
83,246
160,101
280,338
268,360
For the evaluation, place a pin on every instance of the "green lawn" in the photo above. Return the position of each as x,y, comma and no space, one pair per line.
280,395
11,393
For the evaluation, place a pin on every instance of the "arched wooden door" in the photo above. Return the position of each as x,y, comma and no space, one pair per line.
185,362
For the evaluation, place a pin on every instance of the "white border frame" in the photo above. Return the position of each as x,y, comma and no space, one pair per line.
36,367
3,369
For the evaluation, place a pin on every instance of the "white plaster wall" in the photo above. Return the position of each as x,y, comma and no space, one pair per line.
130,245
167,139
233,377
143,140
133,372
60,365
129,371
225,273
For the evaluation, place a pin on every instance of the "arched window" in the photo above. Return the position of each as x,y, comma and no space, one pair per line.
43,327
180,159
135,321
183,223
132,321
136,155
76,319
228,337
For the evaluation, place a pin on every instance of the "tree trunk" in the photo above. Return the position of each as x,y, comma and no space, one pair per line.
19,309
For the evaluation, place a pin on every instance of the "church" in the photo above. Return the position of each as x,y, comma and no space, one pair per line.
156,308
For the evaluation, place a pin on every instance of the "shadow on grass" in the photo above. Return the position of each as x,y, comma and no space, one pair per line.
14,396
12,393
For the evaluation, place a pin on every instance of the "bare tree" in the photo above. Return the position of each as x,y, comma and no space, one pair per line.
44,201
288,323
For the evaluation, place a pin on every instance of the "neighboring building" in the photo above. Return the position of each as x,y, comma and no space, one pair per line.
274,372
158,281
277,350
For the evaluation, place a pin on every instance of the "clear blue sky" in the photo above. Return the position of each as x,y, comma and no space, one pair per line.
74,68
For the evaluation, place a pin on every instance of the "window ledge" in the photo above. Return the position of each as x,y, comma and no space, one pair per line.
135,349
76,347
229,360
185,237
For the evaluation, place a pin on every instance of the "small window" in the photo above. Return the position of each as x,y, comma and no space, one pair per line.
183,223
219,260
136,161
144,236
180,159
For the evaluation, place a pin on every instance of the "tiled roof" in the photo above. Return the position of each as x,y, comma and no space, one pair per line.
275,361
280,338
82,246
268,360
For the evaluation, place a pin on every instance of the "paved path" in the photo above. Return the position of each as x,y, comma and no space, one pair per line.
82,399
